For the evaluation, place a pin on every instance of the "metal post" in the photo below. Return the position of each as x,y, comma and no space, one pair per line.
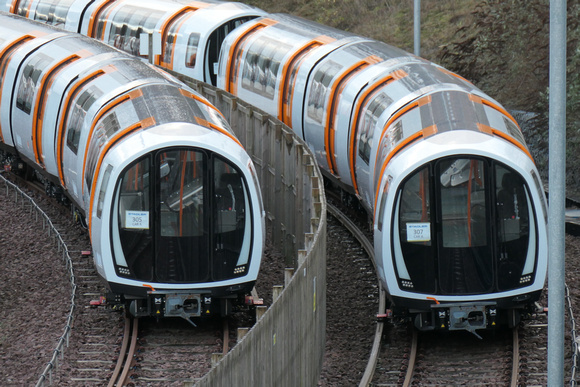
417,18
557,188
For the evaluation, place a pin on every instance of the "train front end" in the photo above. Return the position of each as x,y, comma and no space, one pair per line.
184,221
461,229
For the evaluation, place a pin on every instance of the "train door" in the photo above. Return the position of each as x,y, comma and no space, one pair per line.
465,243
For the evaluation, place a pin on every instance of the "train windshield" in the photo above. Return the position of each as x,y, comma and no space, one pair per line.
181,215
465,226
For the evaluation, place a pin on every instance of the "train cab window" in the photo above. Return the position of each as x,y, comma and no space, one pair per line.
133,222
516,238
191,53
414,248
446,213
183,198
181,217
465,253
230,238
320,88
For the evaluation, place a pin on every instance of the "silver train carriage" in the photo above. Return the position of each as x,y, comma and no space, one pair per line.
458,209
457,205
170,196
186,36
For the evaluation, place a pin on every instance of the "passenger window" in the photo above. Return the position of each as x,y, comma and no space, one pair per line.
106,126
262,65
320,88
103,190
128,25
77,116
28,81
514,131
191,53
23,7
53,13
369,123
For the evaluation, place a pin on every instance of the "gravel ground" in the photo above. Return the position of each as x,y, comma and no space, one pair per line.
34,295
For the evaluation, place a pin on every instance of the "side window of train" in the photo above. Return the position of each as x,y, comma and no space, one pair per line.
319,89
128,25
512,204
23,7
262,65
77,116
29,80
106,126
369,122
103,190
191,53
513,130
53,13
214,45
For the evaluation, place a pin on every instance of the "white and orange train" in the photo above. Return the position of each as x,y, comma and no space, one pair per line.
458,209
170,196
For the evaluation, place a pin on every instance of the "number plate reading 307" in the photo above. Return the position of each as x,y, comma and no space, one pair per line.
418,232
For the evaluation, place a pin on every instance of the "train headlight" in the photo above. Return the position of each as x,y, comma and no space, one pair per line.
525,279
407,284
240,269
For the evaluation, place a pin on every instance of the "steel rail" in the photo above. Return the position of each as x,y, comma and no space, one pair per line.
126,354
369,248
412,360
515,357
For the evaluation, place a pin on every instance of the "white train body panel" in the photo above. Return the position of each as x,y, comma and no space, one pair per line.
383,124
172,136
173,208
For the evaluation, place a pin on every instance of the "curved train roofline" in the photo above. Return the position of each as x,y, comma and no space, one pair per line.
172,200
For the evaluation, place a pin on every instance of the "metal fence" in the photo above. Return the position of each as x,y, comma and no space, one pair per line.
286,346
20,197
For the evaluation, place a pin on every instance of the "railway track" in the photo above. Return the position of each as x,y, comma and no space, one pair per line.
459,358
402,356
168,352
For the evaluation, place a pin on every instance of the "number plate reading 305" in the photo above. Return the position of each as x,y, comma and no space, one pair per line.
137,219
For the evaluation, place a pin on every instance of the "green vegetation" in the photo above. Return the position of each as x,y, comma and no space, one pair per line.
502,46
